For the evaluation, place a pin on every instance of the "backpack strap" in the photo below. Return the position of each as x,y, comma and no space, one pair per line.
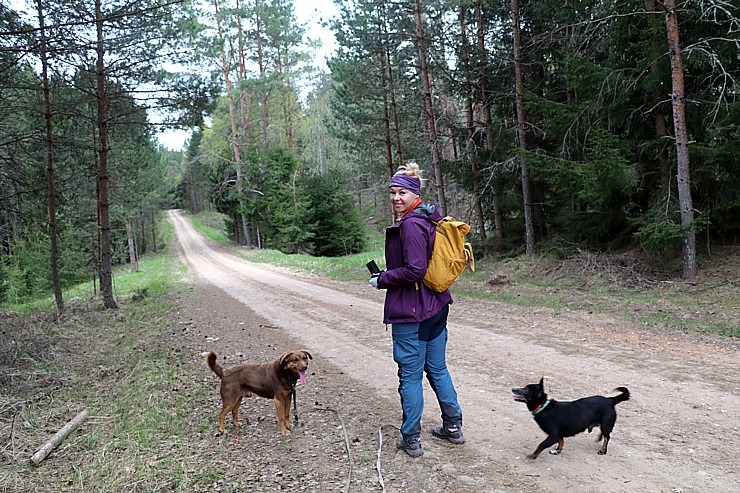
469,255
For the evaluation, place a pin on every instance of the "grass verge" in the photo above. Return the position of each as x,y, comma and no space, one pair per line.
210,225
118,365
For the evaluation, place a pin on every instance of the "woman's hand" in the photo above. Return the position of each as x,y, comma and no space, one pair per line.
374,281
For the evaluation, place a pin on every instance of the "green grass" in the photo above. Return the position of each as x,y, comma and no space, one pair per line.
338,268
672,305
210,225
155,272
153,277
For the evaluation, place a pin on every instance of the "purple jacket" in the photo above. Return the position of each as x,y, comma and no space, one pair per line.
408,246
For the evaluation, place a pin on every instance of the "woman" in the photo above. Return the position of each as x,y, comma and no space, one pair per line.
418,316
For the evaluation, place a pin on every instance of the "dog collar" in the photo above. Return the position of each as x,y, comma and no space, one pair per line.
540,407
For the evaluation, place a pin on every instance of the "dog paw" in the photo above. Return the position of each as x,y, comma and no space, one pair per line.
554,452
602,452
532,456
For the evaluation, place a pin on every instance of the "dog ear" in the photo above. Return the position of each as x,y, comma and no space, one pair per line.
542,382
308,355
283,357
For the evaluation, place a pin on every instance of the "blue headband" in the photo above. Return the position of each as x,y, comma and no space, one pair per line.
410,183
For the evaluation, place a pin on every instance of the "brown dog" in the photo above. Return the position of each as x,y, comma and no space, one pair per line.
272,380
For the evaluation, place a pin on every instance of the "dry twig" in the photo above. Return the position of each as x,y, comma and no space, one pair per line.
46,449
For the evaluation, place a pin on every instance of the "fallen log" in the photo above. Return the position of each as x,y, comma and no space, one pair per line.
46,449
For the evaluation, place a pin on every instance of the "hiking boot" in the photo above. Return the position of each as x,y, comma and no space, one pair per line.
411,446
452,435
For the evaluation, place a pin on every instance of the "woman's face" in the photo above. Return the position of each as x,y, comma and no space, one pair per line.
402,199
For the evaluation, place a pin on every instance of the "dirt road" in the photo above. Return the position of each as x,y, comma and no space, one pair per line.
680,432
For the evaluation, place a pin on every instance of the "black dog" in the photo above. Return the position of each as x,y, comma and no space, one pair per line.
567,419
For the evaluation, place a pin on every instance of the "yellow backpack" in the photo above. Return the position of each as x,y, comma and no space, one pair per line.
450,254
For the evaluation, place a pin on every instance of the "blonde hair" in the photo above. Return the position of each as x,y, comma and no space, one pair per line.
411,169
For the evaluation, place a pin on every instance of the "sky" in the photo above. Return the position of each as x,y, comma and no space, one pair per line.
312,12
308,12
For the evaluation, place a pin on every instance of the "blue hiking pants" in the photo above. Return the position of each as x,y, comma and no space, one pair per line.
420,348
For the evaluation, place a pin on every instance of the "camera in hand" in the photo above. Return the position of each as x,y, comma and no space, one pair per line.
373,268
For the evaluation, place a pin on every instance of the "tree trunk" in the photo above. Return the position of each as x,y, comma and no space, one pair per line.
288,116
106,268
244,109
194,204
429,106
661,131
131,246
387,129
387,117
485,104
234,131
521,119
392,94
659,117
263,77
154,229
53,250
472,149
682,140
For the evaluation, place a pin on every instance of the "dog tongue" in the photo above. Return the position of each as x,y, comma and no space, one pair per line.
302,377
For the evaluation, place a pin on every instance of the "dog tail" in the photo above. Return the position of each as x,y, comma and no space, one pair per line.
624,396
215,367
